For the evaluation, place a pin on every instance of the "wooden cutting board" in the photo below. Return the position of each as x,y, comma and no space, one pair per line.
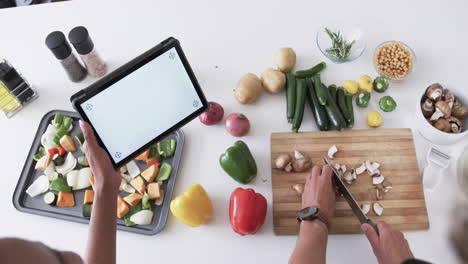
404,205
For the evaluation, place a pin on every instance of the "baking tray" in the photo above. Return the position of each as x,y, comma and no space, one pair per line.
36,205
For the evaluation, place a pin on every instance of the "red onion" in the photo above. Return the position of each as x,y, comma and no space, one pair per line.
237,124
213,115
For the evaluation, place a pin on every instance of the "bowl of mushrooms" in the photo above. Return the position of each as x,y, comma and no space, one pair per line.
442,114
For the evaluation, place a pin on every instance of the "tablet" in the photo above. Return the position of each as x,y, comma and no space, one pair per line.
141,102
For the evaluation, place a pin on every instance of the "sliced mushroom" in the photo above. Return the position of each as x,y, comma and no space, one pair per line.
302,165
298,155
343,168
348,176
361,169
374,173
369,166
288,167
456,125
443,125
375,166
353,173
378,208
379,193
427,107
387,185
378,180
298,188
123,169
282,161
331,151
444,108
365,208
434,91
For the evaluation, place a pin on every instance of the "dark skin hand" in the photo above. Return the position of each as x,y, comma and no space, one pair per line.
390,247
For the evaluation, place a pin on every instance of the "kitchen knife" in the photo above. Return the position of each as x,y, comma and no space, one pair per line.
349,198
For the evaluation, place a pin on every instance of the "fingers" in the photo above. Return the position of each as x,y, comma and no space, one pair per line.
371,235
88,133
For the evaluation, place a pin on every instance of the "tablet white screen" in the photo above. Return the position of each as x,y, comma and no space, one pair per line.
142,105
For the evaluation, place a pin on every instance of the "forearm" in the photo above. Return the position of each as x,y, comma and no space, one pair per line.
311,244
102,230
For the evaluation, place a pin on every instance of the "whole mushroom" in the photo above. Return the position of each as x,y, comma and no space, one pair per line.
434,91
459,111
427,107
443,125
442,109
449,99
456,125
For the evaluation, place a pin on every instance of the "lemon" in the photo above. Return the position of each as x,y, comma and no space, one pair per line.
374,119
351,87
365,83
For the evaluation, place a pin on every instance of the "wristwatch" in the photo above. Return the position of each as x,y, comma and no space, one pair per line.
308,214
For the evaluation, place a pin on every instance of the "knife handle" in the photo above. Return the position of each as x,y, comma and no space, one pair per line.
373,226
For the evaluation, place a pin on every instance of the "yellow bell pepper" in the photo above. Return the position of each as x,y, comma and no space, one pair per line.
193,207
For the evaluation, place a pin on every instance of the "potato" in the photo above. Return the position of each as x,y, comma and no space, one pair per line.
273,80
248,89
285,59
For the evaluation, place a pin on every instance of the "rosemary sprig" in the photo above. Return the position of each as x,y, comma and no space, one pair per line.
340,48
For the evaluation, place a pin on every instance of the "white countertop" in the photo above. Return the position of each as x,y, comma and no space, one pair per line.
236,37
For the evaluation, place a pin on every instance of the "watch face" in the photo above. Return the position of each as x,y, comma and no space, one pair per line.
308,212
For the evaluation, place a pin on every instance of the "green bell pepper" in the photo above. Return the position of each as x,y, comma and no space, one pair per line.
363,98
166,148
239,163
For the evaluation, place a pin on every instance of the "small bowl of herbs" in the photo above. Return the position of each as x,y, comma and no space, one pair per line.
341,43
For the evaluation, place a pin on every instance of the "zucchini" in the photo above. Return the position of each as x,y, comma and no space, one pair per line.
83,161
80,138
336,119
39,154
62,131
321,119
67,122
340,99
349,107
49,198
56,140
300,103
58,120
290,96
332,89
320,90
86,210
58,160
312,71
52,175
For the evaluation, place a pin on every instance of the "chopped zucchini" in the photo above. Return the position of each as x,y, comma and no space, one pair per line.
62,131
86,210
49,198
67,122
56,140
52,176
80,138
145,202
39,154
58,120
83,161
58,160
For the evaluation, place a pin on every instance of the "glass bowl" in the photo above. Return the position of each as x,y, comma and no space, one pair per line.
349,33
411,70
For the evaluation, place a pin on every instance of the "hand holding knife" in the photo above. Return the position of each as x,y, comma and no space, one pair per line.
349,198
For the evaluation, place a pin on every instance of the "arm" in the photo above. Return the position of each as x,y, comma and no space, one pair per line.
103,223
391,246
311,245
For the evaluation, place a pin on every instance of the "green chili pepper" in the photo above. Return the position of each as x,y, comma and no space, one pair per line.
239,163
387,104
380,84
363,98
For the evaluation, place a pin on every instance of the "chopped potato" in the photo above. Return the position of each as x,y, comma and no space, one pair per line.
133,199
150,174
154,191
139,184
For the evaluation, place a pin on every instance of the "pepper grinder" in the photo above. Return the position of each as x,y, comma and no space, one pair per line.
59,46
80,39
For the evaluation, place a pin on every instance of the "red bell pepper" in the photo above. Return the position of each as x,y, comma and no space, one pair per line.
153,161
58,150
247,211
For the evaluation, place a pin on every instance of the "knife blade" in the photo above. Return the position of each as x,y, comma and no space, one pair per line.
350,198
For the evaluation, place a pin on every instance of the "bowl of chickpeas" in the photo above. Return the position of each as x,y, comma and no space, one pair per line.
394,60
